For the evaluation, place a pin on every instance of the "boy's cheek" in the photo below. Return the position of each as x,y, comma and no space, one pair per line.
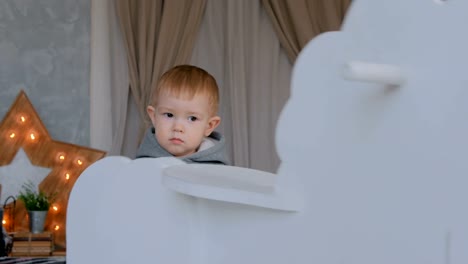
159,121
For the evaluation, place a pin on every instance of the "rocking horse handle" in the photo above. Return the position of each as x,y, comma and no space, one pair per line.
374,72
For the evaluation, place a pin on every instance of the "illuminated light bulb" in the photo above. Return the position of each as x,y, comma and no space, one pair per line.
12,135
32,136
4,222
56,227
79,162
60,156
55,208
23,119
67,176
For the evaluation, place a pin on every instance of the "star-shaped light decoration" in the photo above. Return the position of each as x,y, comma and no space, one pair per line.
22,128
18,172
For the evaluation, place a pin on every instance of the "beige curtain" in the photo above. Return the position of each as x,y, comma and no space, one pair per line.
158,34
296,22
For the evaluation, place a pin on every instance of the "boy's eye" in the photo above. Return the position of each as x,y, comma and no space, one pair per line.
168,115
192,118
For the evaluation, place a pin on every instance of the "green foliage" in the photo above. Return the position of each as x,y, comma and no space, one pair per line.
34,200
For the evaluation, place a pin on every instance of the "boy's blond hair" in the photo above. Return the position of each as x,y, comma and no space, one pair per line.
186,81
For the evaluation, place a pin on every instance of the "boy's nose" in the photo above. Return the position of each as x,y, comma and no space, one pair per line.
178,127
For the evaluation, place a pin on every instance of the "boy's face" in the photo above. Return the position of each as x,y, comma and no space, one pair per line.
181,124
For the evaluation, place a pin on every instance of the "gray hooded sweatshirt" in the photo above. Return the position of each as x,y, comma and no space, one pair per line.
216,154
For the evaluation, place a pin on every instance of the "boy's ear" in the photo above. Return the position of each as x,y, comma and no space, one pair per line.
213,122
151,113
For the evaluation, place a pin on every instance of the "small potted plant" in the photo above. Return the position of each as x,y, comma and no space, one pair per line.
37,203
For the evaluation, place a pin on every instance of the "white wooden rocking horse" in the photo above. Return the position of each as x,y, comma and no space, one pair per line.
373,143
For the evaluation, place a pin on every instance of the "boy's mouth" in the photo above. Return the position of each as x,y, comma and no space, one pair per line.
176,141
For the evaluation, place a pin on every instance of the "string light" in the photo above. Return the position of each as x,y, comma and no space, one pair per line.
23,119
55,208
79,162
32,136
61,156
67,176
4,222
56,227
12,135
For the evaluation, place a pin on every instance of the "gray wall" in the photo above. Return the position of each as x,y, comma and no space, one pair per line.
44,50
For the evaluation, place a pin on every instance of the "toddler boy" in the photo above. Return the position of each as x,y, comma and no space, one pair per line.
183,112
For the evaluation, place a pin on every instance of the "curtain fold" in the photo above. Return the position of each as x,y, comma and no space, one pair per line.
297,22
180,26
157,35
108,80
140,23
